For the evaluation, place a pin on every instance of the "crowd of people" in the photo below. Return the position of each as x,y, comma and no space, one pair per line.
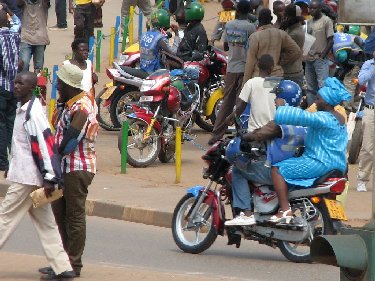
267,67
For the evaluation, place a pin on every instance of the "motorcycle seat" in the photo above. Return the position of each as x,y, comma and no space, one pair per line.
136,72
330,174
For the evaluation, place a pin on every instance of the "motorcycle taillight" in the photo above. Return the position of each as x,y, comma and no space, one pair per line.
339,186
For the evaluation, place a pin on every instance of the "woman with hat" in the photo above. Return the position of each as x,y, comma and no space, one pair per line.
325,144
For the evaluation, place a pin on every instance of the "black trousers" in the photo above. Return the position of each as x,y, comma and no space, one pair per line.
60,9
84,17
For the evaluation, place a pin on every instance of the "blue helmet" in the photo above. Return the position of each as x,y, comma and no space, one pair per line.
234,155
288,91
303,2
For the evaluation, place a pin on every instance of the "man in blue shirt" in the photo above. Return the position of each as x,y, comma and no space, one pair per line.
367,75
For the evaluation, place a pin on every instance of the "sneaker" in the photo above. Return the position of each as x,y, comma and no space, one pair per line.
56,28
241,219
361,186
66,275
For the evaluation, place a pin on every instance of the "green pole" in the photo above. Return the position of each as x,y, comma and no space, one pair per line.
125,34
98,49
124,146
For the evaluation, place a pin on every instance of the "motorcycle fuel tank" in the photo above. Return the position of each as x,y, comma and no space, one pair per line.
174,100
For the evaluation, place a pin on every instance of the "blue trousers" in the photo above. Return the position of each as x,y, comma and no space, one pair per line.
315,72
36,52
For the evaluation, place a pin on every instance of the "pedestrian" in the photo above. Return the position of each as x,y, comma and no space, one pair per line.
84,17
270,4
236,43
98,22
143,5
292,24
272,41
34,33
76,132
9,45
34,163
367,75
80,51
317,63
12,4
278,10
60,10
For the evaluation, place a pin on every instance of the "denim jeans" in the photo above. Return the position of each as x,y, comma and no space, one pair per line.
60,10
255,172
8,105
36,51
316,72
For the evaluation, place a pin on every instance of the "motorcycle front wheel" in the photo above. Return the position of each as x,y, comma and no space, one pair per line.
299,252
141,153
199,234
355,143
103,116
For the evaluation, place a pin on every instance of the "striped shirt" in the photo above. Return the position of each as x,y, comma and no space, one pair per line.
9,50
83,157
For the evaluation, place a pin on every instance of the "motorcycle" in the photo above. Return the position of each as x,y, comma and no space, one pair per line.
199,216
152,125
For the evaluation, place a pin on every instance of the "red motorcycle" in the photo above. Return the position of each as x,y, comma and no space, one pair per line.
152,125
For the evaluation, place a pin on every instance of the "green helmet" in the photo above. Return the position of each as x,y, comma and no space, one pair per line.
194,12
354,29
160,18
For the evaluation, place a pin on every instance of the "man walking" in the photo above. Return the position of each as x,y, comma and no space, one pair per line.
236,43
34,163
84,17
317,64
9,49
60,10
367,75
76,132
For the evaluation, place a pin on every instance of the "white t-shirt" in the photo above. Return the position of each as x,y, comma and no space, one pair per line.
270,6
87,76
262,102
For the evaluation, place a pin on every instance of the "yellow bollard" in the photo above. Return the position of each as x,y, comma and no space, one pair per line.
178,154
112,45
131,25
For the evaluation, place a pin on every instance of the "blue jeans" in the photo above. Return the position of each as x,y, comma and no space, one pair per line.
255,172
8,105
36,51
316,72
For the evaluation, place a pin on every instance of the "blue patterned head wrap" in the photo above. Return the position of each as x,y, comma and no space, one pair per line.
334,91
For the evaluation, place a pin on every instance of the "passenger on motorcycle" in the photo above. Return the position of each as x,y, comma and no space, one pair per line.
195,37
154,41
259,171
325,144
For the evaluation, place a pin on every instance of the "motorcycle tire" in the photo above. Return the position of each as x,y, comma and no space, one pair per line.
355,143
204,123
166,153
179,224
136,131
121,99
288,249
103,116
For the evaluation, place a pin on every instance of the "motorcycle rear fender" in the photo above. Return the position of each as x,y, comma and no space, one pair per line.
145,116
215,96
108,92
210,200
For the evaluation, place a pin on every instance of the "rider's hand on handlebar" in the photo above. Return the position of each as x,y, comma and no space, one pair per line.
230,119
174,28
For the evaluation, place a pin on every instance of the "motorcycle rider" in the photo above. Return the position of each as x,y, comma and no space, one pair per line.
195,39
260,171
154,41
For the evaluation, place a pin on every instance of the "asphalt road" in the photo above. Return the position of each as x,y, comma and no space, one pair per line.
114,242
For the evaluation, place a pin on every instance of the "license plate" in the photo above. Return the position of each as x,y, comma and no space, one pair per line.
146,98
226,16
108,93
335,209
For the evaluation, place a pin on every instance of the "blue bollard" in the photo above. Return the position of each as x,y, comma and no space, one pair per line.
117,36
140,25
91,49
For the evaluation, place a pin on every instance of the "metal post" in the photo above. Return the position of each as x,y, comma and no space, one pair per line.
117,35
124,146
131,25
178,154
91,48
98,50
140,25
112,46
52,102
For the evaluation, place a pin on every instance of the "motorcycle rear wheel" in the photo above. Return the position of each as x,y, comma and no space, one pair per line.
103,116
136,145
290,250
355,143
200,234
204,122
120,105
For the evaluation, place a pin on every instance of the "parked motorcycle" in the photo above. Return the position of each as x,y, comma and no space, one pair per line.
152,125
200,215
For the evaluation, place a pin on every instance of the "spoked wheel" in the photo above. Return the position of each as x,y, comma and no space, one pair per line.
197,235
216,110
355,143
121,106
300,251
103,116
142,153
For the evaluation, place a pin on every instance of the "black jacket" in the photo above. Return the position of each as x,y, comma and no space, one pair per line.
195,39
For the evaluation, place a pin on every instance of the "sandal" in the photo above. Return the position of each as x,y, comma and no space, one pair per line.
285,215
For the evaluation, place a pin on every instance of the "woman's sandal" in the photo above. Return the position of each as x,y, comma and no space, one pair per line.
286,216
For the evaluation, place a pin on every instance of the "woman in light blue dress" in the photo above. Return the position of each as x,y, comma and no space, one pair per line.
325,143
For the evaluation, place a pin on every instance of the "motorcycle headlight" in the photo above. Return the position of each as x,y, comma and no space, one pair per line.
147,85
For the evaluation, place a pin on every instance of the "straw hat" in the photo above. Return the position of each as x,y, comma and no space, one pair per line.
71,75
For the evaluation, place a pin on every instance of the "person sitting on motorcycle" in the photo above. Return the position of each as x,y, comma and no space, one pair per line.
227,5
195,39
260,171
325,144
154,41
